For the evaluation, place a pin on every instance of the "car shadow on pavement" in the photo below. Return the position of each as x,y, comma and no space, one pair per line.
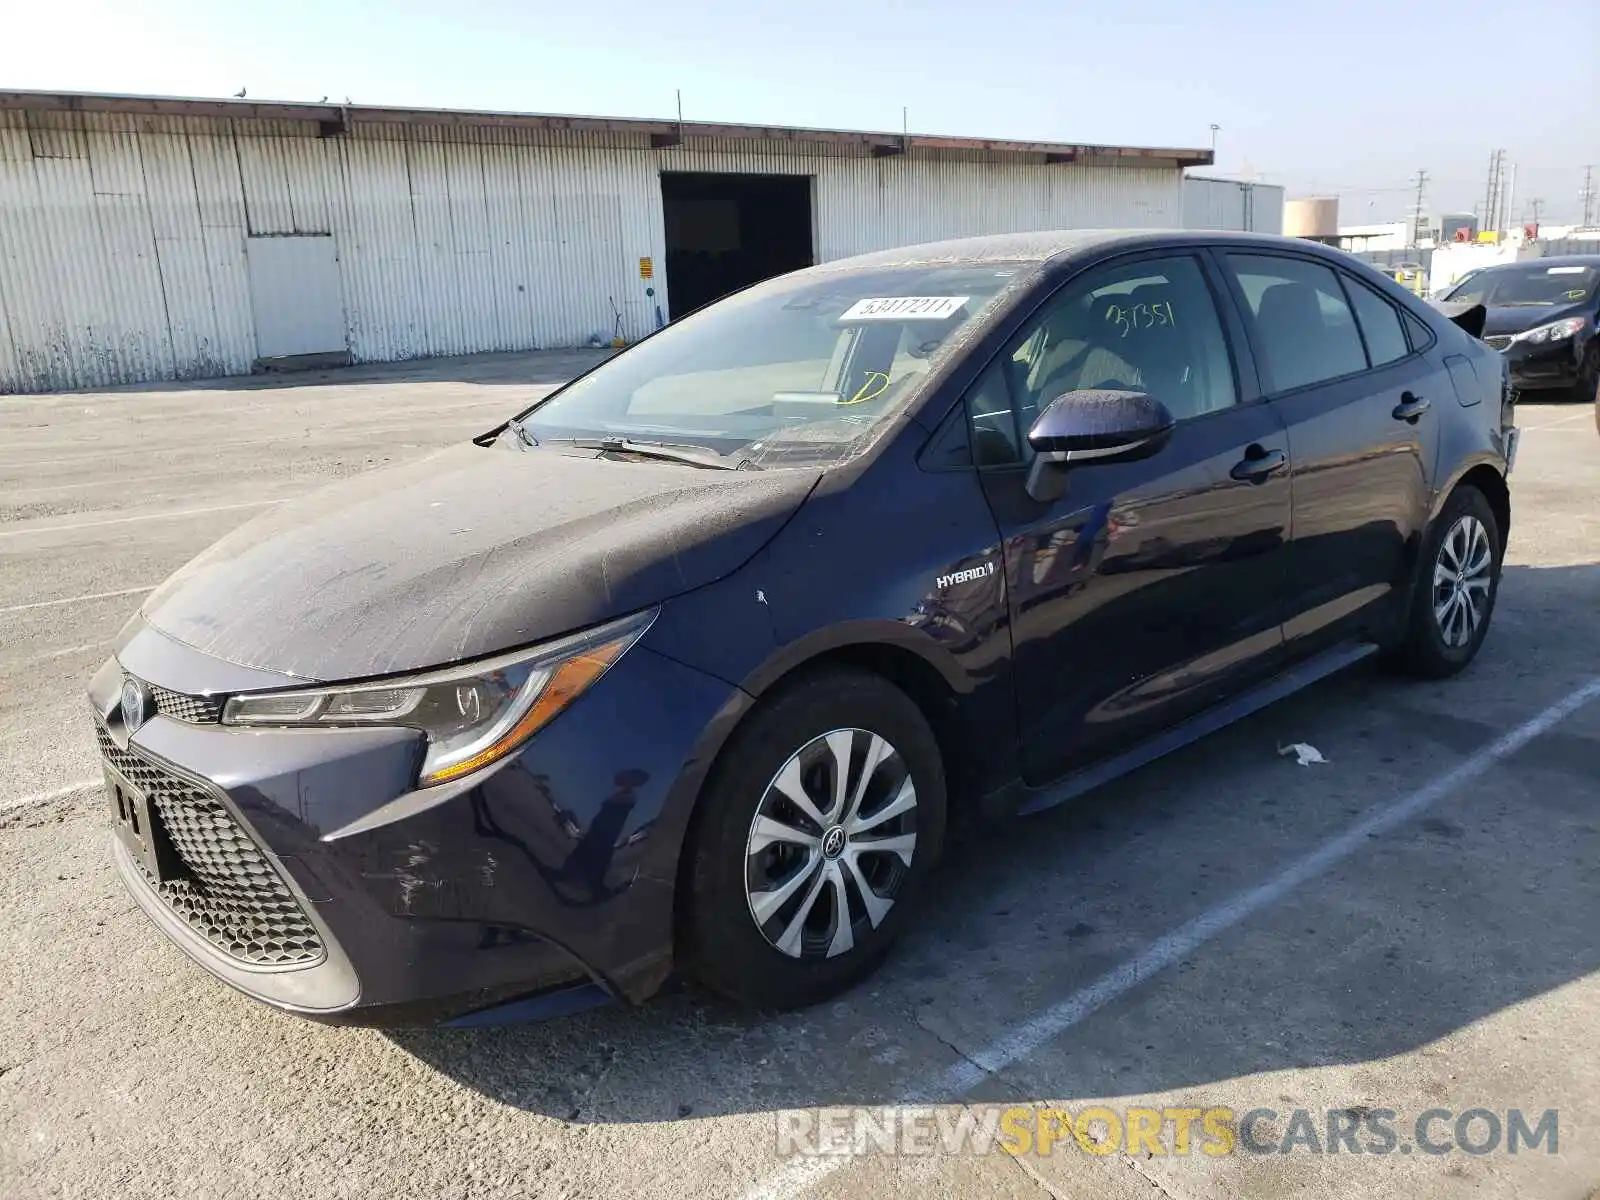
1482,902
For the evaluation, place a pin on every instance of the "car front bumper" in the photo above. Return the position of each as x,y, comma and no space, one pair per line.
303,868
1543,366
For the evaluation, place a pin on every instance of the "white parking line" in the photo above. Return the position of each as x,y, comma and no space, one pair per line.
60,793
1586,414
798,1174
160,516
75,599
66,650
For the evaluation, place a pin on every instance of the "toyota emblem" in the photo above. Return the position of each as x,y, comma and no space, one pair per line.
135,703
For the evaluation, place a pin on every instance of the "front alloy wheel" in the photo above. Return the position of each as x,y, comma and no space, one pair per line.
812,840
831,842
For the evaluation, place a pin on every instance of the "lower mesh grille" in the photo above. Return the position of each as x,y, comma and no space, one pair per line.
228,893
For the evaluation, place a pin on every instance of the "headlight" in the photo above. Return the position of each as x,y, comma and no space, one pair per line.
1553,332
473,714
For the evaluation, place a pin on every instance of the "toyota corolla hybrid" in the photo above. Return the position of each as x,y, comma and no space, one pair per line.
699,663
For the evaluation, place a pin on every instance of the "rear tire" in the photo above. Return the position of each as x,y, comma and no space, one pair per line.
766,876
1458,578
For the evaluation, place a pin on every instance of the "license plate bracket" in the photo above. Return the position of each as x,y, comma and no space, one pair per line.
138,826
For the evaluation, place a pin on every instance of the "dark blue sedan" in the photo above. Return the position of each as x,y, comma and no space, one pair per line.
698,664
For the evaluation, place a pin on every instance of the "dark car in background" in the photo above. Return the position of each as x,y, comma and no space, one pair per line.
1542,314
699,662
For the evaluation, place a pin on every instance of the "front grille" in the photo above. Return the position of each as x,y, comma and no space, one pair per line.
1498,341
228,892
197,710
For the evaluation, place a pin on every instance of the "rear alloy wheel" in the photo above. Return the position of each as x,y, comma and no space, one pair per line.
1461,578
1458,580
824,814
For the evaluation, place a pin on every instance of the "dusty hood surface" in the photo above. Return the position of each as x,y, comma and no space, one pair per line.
465,553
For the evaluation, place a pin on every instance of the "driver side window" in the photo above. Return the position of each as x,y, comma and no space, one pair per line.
1148,326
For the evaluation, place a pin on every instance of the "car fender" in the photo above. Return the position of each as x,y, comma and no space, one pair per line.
1461,471
848,635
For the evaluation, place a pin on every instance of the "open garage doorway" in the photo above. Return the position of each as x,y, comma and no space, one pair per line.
727,231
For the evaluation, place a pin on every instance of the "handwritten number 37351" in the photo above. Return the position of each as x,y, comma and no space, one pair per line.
1141,316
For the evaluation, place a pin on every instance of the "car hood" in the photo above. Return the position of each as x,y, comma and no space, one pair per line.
1514,318
465,553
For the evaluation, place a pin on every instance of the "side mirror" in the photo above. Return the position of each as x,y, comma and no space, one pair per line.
1099,425
1093,425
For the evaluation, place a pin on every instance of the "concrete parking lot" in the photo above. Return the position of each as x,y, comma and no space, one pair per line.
1412,925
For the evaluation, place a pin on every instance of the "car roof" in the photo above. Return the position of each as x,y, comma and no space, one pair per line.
1038,246
1555,260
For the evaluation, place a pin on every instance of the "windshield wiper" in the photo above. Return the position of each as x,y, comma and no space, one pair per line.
663,450
520,431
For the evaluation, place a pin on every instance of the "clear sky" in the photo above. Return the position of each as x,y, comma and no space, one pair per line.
1349,97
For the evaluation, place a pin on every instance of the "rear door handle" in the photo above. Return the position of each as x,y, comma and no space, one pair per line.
1410,407
1258,464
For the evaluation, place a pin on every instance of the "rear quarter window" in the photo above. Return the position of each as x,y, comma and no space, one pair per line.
1380,324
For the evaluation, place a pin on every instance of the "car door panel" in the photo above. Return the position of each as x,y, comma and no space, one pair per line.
1362,441
1362,486
1148,589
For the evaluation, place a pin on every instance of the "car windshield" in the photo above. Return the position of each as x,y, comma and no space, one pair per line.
1529,284
802,367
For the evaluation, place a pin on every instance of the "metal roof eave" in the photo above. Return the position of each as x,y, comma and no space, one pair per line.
662,132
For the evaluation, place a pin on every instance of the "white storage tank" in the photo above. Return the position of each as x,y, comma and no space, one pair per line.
1316,217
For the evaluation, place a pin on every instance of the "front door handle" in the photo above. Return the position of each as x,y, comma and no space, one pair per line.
1410,407
1258,464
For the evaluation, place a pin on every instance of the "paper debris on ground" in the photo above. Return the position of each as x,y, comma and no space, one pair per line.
1304,753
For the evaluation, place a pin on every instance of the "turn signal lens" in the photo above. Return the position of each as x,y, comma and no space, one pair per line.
570,680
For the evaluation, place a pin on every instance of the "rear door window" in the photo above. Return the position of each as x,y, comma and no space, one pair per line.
1303,323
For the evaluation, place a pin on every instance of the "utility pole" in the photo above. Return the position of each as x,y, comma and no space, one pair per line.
1587,195
1536,204
1486,222
1493,194
1508,202
1418,221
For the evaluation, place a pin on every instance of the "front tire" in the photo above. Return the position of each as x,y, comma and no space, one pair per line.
1588,386
1458,579
817,828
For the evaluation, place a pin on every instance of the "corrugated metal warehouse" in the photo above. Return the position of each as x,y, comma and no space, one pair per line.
1232,204
144,238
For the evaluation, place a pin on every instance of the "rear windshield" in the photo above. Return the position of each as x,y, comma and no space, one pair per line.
800,368
1529,284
